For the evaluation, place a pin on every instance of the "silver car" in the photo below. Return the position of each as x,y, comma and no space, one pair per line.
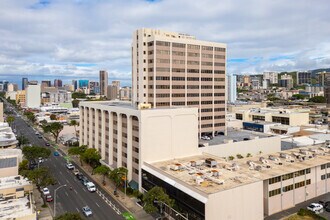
87,211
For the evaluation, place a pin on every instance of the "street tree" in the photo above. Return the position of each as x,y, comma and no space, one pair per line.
34,152
154,196
54,128
103,170
10,119
30,115
53,117
92,157
317,99
22,140
41,177
69,216
23,167
74,123
118,175
78,151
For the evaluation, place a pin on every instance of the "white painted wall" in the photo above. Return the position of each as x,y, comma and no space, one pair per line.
33,99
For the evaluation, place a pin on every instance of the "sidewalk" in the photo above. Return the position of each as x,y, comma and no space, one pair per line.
44,213
128,203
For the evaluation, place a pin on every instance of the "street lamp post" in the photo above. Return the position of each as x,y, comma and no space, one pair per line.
55,198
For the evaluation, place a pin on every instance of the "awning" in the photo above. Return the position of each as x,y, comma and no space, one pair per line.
133,185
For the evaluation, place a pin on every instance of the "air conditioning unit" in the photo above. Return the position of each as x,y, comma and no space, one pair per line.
210,162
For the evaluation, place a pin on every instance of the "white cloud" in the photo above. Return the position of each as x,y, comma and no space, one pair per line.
51,38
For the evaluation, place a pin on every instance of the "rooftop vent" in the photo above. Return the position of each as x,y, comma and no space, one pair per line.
210,162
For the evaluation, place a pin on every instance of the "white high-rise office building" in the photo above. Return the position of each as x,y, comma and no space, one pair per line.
231,88
33,96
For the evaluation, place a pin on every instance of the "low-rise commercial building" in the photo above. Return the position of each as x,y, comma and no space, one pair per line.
9,161
127,135
283,116
208,187
16,199
7,137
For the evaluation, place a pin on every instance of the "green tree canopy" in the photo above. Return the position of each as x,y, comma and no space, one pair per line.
103,170
54,128
34,152
78,151
69,216
78,95
53,117
10,119
156,194
317,99
23,167
118,175
298,96
41,177
92,157
75,103
22,140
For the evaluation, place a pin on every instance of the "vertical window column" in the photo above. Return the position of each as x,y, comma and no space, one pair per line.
91,127
119,138
111,153
103,134
129,147
96,139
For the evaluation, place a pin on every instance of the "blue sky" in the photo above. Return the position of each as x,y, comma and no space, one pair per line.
77,38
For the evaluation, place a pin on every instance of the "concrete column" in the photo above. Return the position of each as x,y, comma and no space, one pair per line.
129,147
119,139
90,125
111,152
81,125
103,135
86,110
97,130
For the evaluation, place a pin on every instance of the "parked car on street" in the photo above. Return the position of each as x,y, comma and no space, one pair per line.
87,211
56,153
315,207
69,166
49,198
79,176
45,191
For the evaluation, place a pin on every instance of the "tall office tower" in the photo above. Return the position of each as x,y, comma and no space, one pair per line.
103,82
304,78
172,69
231,88
46,83
58,83
327,89
271,76
33,96
81,84
94,87
25,82
286,81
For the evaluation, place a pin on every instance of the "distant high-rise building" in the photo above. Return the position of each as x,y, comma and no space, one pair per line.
172,69
25,82
12,87
46,83
33,82
286,81
103,82
81,83
4,84
327,89
57,83
246,81
231,88
94,87
33,96
271,76
304,78
125,93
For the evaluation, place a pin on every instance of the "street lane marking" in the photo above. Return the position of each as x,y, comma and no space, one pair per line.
61,173
75,191
66,194
97,204
77,209
67,181
84,189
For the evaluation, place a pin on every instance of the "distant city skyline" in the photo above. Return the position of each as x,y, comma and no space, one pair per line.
95,35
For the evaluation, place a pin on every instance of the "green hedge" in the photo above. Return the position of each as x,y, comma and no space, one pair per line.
306,212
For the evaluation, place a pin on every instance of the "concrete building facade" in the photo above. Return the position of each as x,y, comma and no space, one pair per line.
33,96
327,89
126,136
172,69
231,88
271,76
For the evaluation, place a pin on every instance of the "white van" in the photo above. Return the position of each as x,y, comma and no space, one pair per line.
91,187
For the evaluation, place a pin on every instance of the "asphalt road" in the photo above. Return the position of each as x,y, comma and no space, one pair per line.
69,200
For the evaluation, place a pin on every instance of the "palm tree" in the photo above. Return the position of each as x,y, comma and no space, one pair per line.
74,123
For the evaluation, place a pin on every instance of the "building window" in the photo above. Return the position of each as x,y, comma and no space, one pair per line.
287,176
308,182
274,180
287,188
274,192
